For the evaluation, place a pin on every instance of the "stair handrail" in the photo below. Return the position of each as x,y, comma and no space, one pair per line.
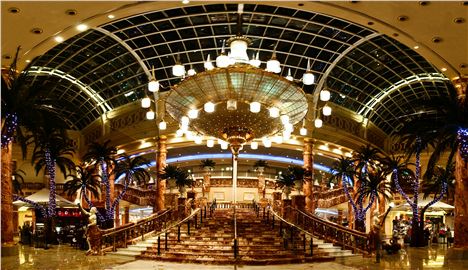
311,234
338,234
193,215
114,237
283,225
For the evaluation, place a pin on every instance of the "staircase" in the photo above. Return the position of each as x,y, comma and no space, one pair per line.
212,243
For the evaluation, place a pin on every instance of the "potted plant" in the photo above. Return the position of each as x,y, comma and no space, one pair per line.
260,165
207,164
170,174
286,182
297,176
183,180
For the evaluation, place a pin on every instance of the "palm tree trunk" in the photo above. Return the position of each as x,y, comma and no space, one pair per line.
105,180
350,216
461,203
111,180
7,199
417,233
50,165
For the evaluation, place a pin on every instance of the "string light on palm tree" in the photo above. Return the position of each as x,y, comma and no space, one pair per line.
462,137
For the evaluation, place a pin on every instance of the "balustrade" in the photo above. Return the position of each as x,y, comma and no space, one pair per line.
188,221
157,224
294,237
114,238
331,232
345,237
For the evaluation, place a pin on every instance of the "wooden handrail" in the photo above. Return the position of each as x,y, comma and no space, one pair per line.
329,223
113,238
194,213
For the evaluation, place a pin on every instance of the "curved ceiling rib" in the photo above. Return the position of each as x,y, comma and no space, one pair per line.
99,101
143,66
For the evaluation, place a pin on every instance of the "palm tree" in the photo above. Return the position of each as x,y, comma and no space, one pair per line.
102,156
365,162
366,157
343,170
18,181
83,180
23,105
397,166
434,185
170,173
183,180
295,175
374,186
286,182
444,126
207,163
261,165
52,149
133,172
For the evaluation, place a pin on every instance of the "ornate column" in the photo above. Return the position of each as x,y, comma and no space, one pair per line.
308,187
339,220
7,196
117,216
261,182
277,196
126,215
206,182
161,155
286,210
461,183
298,202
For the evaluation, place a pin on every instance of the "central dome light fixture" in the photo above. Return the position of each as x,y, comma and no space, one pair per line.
237,101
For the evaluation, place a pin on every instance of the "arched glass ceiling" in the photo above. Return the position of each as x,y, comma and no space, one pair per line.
109,59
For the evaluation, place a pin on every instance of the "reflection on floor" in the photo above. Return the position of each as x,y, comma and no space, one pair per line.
68,258
59,257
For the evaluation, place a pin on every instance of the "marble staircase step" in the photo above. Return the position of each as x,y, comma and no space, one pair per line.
212,242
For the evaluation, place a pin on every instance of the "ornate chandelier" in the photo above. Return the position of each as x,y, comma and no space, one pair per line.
237,101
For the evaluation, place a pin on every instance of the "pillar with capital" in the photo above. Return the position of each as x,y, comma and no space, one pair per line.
161,155
308,187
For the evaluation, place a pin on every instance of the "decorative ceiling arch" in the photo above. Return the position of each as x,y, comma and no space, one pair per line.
117,69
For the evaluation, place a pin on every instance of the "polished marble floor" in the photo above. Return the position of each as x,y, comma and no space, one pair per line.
68,258
63,257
